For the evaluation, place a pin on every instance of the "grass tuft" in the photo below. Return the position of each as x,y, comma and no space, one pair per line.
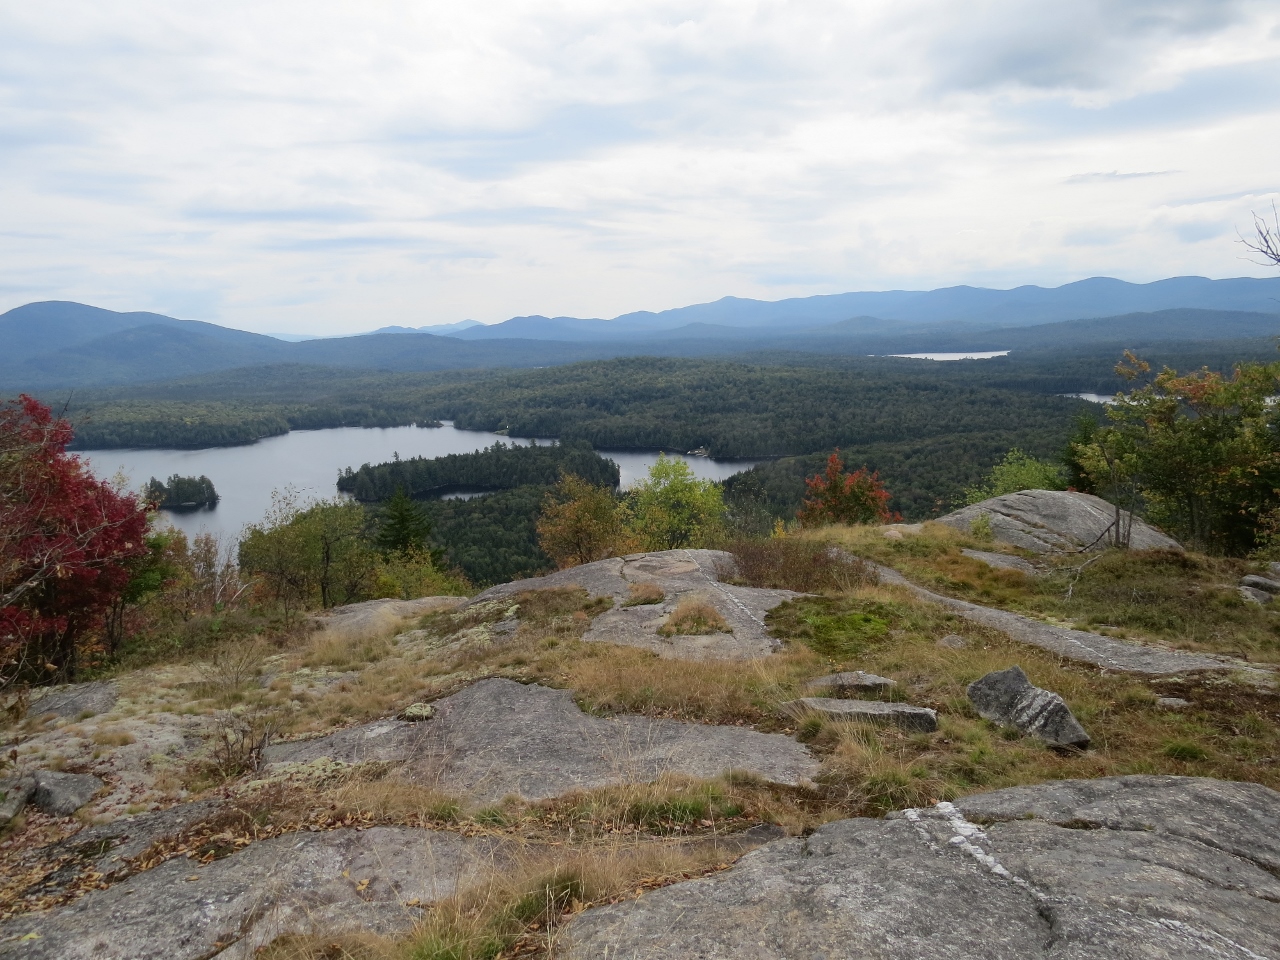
694,618
643,594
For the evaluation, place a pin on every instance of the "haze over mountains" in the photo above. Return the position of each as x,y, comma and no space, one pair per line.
59,344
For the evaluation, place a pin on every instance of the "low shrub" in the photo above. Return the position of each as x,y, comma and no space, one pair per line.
805,566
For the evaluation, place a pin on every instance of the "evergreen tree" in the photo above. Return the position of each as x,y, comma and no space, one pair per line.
403,525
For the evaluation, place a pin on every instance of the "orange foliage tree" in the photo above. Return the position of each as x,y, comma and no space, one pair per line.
839,497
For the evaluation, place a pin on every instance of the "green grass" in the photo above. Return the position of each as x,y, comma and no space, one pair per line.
1186,600
836,627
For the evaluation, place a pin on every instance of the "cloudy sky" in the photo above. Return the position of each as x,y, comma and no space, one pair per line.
325,167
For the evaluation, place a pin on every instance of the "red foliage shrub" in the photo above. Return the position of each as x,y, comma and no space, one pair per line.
65,541
839,497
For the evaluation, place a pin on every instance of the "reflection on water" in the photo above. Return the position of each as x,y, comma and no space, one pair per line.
634,466
310,460
1091,397
978,355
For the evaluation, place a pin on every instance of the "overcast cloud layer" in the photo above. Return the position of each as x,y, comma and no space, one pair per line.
328,167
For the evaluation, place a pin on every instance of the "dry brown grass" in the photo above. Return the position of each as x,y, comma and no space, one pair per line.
676,804
693,617
352,647
113,737
366,794
616,679
643,594
520,905
379,690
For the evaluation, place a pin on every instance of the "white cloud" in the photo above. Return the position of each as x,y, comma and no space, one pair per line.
325,167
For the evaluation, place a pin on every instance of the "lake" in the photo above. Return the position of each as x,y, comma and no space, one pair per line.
981,355
309,461
1092,397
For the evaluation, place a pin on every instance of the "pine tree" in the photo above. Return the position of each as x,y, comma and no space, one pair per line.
404,525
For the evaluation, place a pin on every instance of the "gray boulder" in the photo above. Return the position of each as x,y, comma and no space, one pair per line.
62,794
1008,698
76,700
1055,521
499,737
1260,583
1254,595
1176,868
839,684
342,879
920,719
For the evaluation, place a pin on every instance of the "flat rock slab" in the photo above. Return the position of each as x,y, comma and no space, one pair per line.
1055,521
1008,698
499,737
1002,561
838,684
376,614
76,700
373,615
680,574
1176,868
182,910
1106,652
920,719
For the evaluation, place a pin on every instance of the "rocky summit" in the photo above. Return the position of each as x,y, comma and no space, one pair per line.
553,769
1115,869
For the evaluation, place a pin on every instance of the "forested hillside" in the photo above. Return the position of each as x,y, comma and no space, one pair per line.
494,538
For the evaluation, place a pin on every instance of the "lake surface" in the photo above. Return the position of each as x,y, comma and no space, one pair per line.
309,461
1092,397
980,355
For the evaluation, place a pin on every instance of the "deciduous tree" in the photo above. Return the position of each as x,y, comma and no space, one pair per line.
1202,450
66,542
673,509
838,497
581,522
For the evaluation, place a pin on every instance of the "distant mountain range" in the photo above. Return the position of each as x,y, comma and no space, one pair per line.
58,344
891,310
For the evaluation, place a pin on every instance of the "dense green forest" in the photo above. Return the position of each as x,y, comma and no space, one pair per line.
493,538
500,467
240,406
929,428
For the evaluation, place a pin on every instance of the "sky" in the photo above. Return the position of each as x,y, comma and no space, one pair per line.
319,167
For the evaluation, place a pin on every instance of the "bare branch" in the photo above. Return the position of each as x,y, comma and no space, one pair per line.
1266,243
